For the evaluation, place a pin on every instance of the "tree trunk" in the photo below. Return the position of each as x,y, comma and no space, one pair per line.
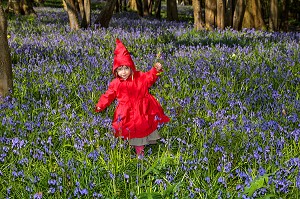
157,9
210,14
86,14
228,13
139,5
198,21
81,7
146,8
172,12
248,21
27,7
238,14
151,3
285,15
21,7
118,7
132,5
221,14
106,14
87,9
121,5
273,18
72,13
259,20
6,78
13,6
253,17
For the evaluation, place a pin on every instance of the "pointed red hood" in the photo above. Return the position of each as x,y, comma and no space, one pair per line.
122,57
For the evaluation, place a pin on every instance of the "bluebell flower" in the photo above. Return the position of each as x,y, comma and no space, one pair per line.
221,180
8,190
52,182
76,191
239,187
83,192
52,190
261,171
94,155
111,175
126,176
227,167
23,161
298,181
97,195
38,195
158,181
191,195
207,179
29,189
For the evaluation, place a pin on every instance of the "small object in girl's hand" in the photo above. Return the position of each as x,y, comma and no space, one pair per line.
159,56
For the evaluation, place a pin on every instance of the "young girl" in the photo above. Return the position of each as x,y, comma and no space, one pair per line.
138,113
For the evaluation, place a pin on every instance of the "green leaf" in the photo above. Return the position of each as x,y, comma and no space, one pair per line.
257,184
153,195
150,169
167,85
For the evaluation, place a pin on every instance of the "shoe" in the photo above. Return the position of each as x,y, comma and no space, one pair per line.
139,151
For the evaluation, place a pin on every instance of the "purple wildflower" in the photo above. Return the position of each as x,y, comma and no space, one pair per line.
38,195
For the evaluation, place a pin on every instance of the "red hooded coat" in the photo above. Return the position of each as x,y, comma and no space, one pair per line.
138,113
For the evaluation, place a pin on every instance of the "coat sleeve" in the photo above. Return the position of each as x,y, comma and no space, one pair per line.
151,76
107,98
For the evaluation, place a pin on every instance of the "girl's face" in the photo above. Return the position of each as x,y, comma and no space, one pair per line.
124,72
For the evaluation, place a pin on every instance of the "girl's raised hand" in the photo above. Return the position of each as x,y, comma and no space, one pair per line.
158,66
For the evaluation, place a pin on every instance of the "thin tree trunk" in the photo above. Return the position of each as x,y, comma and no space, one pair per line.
87,9
248,21
210,14
151,3
198,21
6,78
106,14
27,7
118,7
81,7
273,19
172,12
221,14
238,14
285,15
21,7
157,9
123,5
146,8
86,14
228,13
139,5
72,13
14,6
259,21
